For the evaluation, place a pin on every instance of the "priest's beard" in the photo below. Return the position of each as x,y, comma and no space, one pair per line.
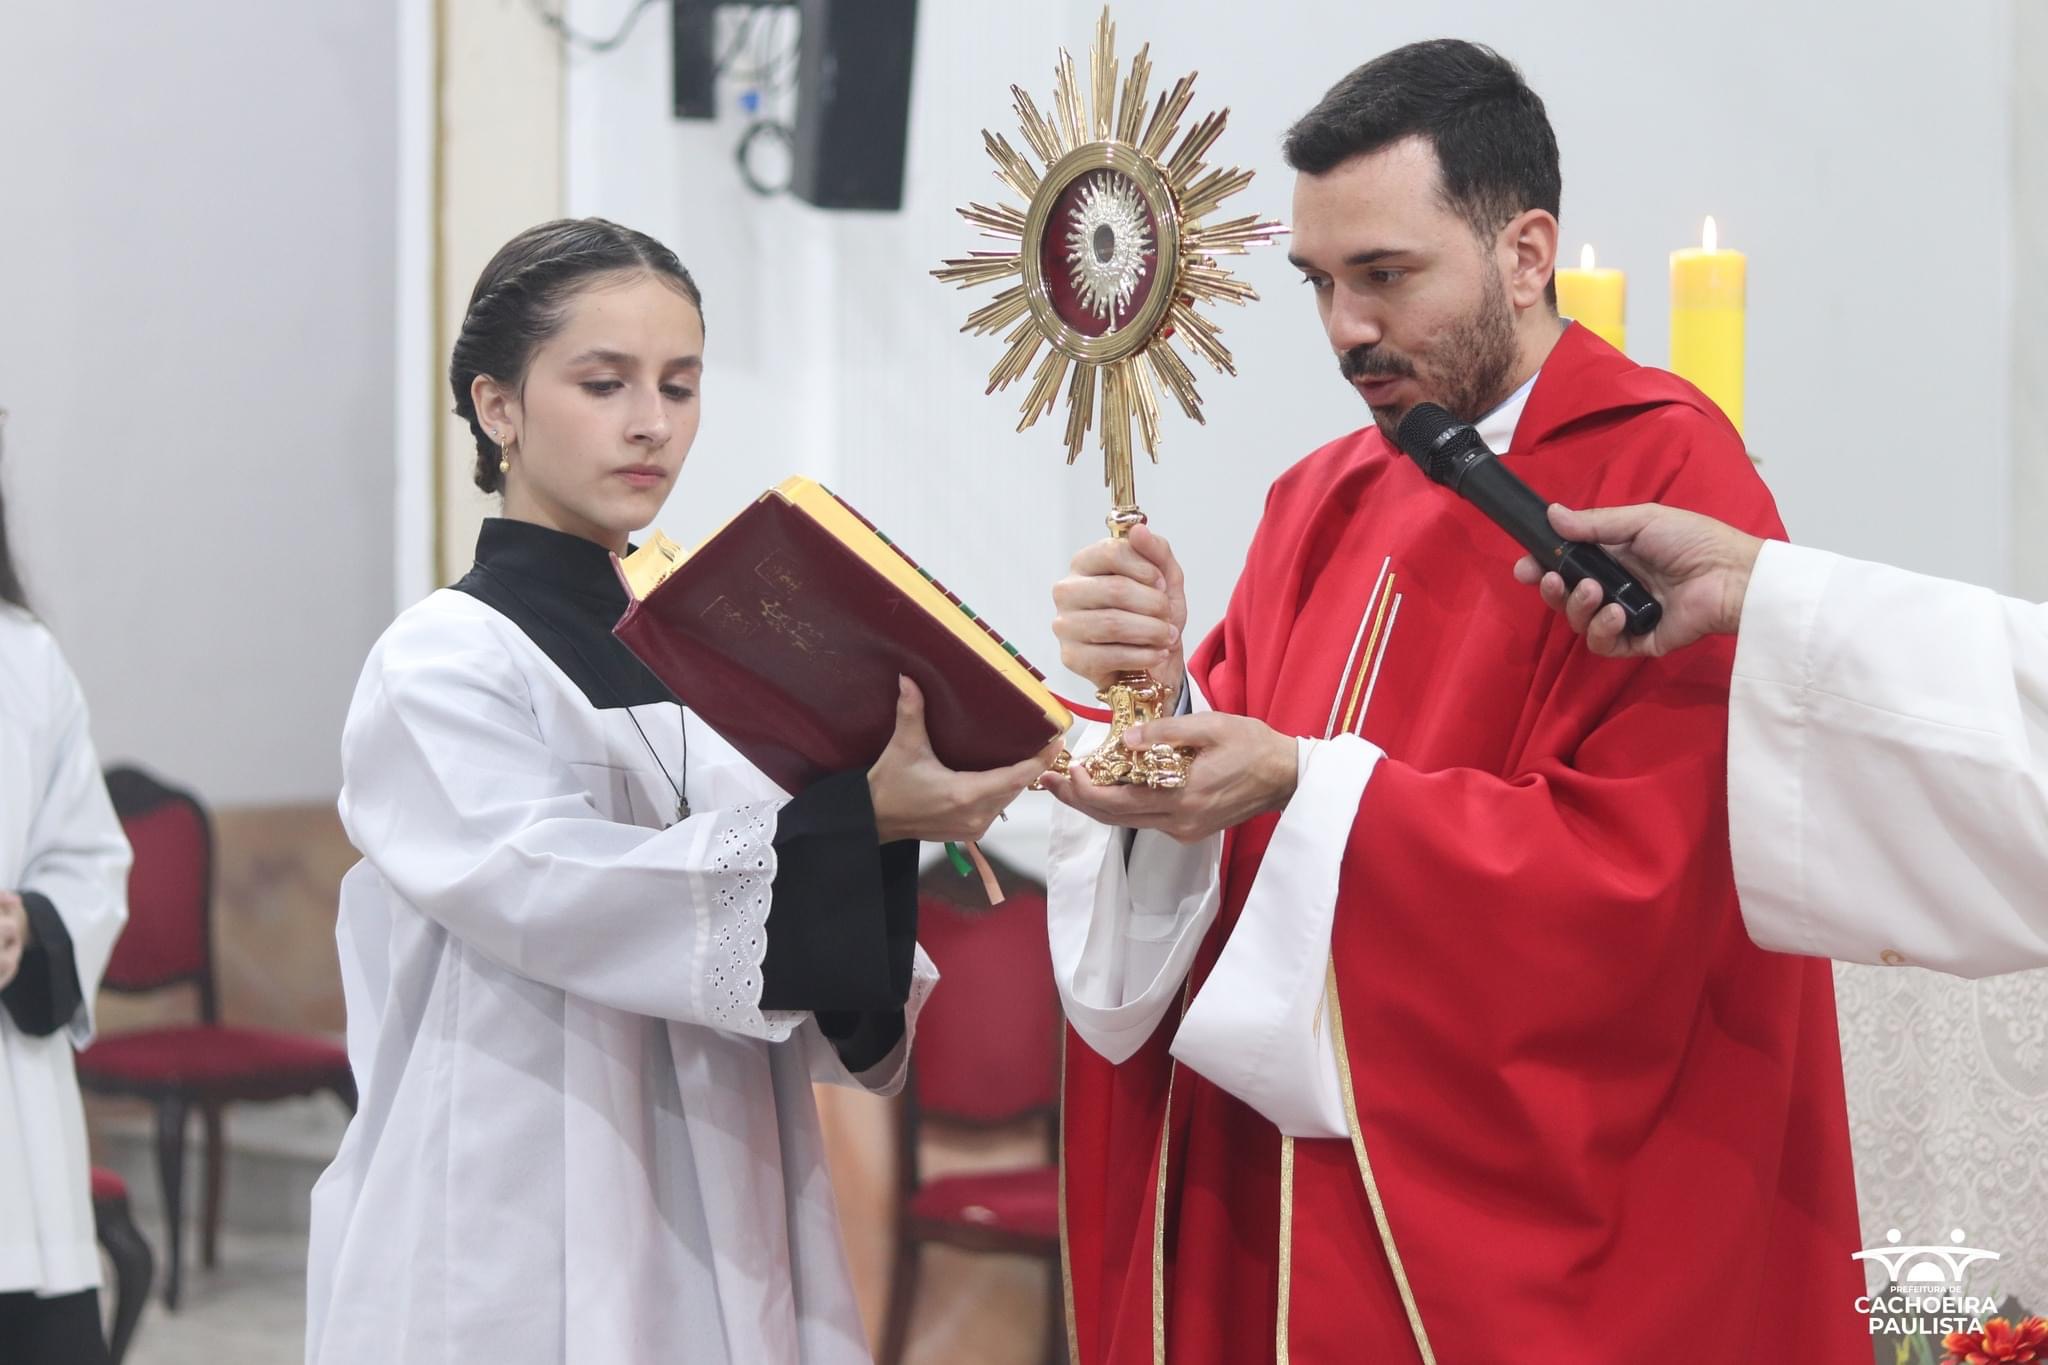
1466,372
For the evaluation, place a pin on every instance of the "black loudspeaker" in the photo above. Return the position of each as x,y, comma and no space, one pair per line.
693,61
853,102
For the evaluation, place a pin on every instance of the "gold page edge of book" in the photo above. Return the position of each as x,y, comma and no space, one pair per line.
648,567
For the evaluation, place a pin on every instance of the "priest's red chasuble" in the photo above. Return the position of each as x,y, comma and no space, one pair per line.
1590,1120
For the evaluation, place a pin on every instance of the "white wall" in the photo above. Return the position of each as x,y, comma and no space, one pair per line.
196,338
1863,167
2029,307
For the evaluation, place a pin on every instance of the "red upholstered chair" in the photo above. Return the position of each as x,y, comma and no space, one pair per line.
134,1267
987,1055
203,1066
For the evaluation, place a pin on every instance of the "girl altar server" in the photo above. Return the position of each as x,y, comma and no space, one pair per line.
593,959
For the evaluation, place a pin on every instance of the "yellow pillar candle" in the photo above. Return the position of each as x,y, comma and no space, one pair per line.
1595,299
1708,315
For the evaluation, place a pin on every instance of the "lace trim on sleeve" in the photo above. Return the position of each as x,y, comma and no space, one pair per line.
743,869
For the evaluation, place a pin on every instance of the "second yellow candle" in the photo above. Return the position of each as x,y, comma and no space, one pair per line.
1709,303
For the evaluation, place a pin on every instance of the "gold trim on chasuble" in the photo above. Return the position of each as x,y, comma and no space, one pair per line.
1360,676
1362,668
1159,1227
1159,1203
1286,1249
1066,1261
1158,1216
1372,1188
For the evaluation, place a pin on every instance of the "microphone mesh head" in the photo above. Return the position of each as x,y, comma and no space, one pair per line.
1422,435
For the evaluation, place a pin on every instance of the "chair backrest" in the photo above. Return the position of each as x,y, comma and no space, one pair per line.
988,1038
169,937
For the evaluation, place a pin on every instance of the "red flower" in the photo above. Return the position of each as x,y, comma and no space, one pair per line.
1999,1343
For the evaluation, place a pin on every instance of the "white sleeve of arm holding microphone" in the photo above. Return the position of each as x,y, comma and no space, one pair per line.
1126,925
1888,766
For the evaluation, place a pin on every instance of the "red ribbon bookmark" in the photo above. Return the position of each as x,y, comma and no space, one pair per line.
1094,713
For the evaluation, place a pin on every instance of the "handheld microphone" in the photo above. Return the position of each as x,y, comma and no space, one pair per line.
1451,453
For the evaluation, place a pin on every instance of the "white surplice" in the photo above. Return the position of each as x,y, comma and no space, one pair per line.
1126,919
1888,766
59,837
581,1140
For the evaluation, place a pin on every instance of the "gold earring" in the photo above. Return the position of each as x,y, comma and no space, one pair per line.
504,455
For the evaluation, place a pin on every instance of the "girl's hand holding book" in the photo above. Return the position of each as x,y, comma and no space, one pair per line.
917,797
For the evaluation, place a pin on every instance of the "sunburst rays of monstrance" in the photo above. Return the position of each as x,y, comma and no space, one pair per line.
1112,259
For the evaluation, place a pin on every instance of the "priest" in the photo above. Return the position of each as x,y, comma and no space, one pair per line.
1422,1025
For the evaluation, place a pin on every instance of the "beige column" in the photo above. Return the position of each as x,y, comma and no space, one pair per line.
497,168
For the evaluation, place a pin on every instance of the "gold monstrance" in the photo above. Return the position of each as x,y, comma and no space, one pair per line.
1112,260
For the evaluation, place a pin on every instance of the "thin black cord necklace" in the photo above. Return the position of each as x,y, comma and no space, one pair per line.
682,801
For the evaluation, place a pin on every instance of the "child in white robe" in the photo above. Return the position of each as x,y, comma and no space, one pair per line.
63,900
593,959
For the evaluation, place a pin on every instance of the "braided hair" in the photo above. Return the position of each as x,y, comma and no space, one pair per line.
521,300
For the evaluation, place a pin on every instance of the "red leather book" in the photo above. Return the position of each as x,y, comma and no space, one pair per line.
786,630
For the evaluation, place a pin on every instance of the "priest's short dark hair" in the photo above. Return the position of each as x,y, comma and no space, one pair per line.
1494,146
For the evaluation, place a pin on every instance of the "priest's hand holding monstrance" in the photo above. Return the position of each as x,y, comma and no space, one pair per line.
1112,259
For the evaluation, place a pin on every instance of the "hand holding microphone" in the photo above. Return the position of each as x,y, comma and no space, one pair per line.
1451,453
1698,568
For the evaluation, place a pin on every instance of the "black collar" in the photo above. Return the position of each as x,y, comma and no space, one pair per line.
562,591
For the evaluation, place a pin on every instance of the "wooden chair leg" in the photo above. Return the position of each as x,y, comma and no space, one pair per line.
134,1268
1056,1314
209,1225
902,1296
170,1169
